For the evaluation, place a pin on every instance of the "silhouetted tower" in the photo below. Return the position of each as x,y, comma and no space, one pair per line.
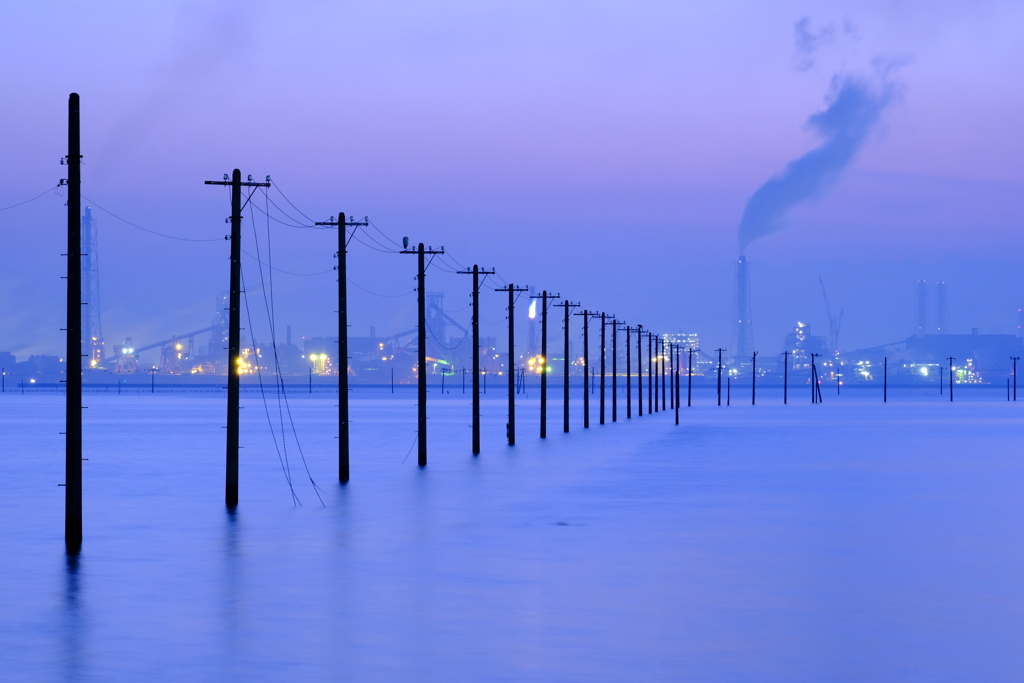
437,327
744,330
921,326
92,327
940,308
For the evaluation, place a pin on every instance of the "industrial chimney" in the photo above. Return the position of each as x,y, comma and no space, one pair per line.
744,331
940,308
921,328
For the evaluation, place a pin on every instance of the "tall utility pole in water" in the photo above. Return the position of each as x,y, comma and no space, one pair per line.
565,366
1015,359
476,273
615,370
629,377
421,328
234,327
652,389
510,427
951,373
604,319
639,371
720,374
73,372
677,384
753,380
342,268
586,367
785,378
544,296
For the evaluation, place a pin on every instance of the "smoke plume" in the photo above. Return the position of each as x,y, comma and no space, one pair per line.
854,108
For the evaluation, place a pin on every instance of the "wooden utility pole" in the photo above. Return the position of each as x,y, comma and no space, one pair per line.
639,371
586,366
544,296
652,388
234,328
677,383
604,318
421,324
73,367
689,378
1015,359
565,366
885,380
661,369
753,380
785,378
476,273
629,377
615,370
951,373
510,426
342,268
720,375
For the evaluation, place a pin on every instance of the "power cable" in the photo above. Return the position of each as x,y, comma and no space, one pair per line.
14,206
171,237
282,395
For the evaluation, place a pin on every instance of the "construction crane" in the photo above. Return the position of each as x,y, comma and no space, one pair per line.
833,322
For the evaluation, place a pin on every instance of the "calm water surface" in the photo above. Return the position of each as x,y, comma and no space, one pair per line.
850,541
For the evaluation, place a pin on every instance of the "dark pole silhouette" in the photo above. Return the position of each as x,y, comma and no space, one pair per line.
475,324
940,380
73,373
885,380
689,379
785,378
661,369
629,376
586,367
652,406
677,382
639,371
753,380
1015,359
601,399
720,375
342,268
951,373
671,375
615,370
510,428
815,390
421,379
544,360
234,329
565,368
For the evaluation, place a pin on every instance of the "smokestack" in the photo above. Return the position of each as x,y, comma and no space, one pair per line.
744,331
922,308
940,308
288,335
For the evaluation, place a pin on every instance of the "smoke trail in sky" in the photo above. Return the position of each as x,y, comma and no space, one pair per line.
854,109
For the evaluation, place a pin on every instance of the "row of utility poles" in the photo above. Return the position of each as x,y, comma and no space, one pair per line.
658,352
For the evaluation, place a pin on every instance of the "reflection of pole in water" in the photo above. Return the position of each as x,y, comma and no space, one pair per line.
73,626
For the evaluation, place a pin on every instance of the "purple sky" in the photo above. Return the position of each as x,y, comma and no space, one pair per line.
602,150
